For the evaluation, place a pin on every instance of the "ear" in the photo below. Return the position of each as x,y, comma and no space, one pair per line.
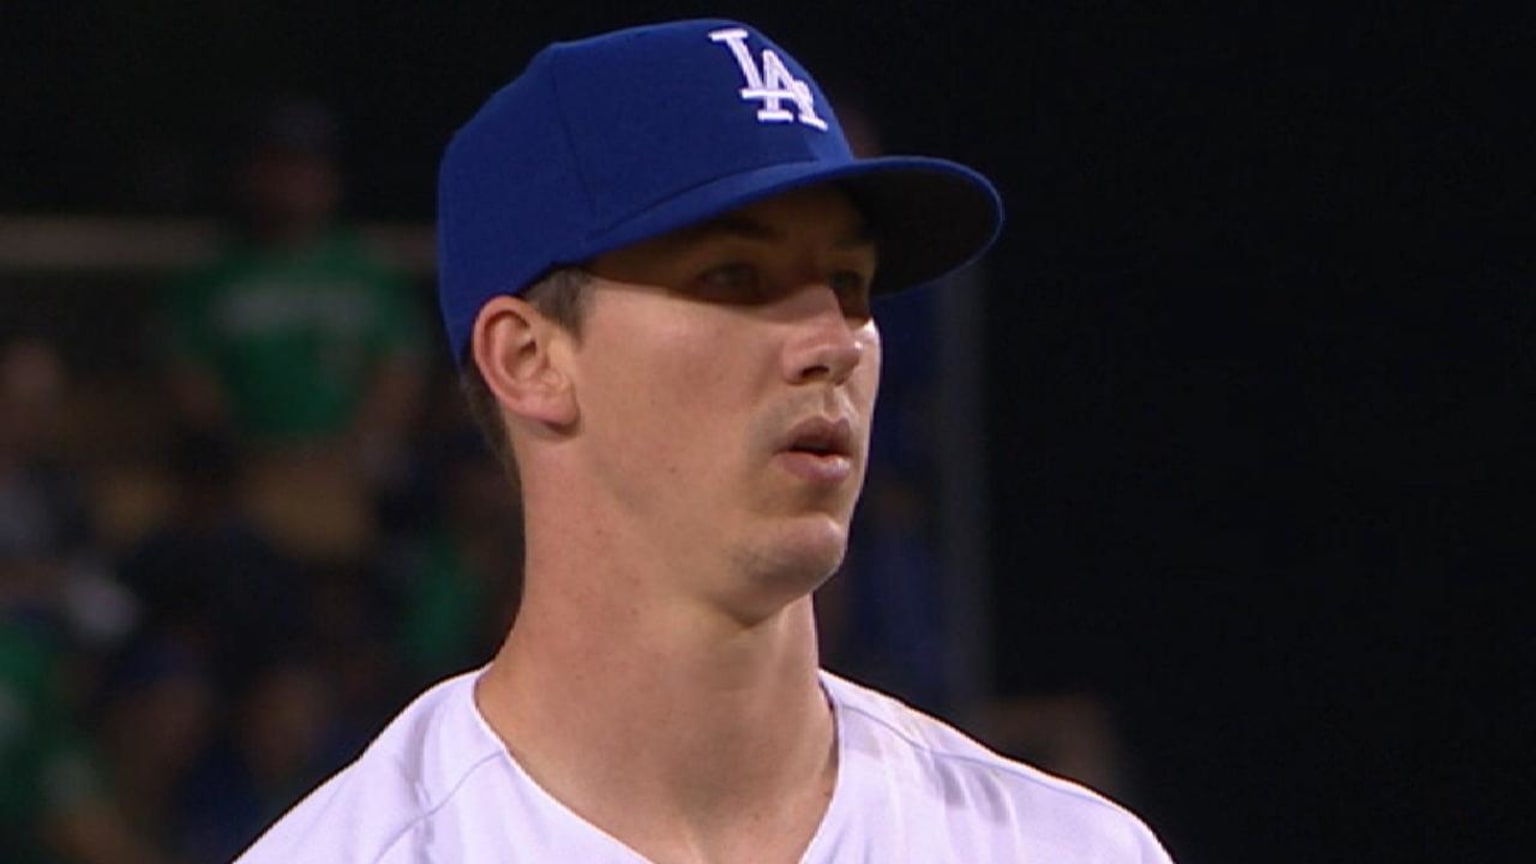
522,356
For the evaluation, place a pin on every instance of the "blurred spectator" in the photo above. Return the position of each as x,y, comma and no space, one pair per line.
155,715
297,337
56,598
42,512
210,576
48,562
54,804
456,599
349,641
280,742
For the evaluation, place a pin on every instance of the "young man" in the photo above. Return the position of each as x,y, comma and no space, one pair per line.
657,257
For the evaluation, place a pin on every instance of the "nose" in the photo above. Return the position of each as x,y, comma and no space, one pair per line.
827,344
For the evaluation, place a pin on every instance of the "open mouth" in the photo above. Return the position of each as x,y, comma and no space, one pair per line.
822,437
819,451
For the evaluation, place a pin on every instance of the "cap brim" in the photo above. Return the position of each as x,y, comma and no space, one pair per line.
929,217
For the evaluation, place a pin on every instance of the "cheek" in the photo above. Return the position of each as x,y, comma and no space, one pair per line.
665,397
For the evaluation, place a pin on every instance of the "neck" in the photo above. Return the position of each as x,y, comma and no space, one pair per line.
675,729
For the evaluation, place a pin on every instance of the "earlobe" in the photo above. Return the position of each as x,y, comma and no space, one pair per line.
521,357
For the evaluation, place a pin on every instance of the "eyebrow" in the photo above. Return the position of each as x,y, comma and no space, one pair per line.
746,228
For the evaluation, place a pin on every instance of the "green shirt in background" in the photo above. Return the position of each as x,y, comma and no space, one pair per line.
44,766
294,337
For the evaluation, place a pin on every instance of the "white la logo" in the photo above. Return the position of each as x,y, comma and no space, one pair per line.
772,85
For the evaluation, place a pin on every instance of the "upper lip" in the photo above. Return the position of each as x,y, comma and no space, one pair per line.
826,436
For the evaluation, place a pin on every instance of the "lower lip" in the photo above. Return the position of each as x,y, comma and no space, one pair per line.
828,470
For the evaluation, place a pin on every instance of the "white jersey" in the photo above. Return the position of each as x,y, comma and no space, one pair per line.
438,786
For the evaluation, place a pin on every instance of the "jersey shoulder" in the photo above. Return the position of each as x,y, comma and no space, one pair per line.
372,811
935,762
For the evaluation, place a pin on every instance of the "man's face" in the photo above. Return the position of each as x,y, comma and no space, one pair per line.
290,191
726,379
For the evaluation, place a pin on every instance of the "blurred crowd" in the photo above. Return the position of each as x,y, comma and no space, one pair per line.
163,697
190,642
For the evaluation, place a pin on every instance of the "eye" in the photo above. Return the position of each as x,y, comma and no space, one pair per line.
734,282
734,275
852,289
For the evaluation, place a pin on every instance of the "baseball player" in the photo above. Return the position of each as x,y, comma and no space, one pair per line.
656,261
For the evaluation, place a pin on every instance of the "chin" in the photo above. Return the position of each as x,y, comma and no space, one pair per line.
797,559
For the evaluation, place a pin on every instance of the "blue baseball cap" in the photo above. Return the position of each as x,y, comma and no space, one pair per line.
608,141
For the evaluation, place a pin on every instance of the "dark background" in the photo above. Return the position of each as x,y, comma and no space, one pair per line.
1260,329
